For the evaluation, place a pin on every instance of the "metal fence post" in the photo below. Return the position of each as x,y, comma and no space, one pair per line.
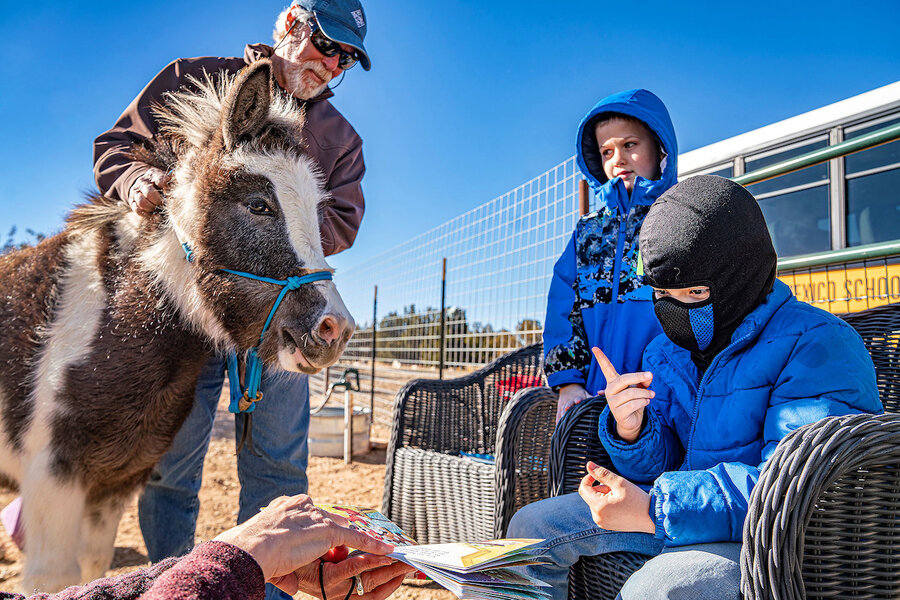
374,354
443,319
584,201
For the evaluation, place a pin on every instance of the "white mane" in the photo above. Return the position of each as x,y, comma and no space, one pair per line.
195,115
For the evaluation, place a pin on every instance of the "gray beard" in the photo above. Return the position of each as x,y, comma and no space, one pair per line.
299,87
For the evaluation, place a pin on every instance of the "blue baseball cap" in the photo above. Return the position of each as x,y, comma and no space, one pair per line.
343,21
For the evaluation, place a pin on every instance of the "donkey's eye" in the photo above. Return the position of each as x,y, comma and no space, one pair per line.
258,206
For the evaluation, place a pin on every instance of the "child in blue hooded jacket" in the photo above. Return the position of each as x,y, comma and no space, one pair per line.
740,365
626,149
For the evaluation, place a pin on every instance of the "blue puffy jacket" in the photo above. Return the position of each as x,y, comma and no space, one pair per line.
705,440
597,296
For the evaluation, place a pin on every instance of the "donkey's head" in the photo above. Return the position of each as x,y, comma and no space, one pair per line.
245,197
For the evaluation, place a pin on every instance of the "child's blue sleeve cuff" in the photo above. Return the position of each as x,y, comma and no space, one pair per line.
561,378
656,513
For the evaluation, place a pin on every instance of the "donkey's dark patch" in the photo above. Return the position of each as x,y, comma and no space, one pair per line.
30,280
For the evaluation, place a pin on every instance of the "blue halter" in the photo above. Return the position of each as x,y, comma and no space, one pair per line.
244,399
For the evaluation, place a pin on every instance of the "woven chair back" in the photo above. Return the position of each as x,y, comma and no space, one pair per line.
852,539
880,331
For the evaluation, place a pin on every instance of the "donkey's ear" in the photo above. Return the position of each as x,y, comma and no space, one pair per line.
245,109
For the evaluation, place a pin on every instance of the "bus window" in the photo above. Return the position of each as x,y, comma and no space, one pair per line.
873,190
810,175
798,221
795,205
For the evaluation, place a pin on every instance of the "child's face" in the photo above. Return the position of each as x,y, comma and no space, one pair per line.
689,295
628,149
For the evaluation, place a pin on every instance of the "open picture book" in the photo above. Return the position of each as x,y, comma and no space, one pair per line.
471,570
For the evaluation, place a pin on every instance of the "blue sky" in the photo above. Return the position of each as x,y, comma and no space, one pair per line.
465,99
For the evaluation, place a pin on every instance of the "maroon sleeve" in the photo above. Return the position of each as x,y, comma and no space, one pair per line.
212,570
342,215
128,586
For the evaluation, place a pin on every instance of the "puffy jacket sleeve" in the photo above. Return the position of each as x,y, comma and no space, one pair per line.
566,352
657,450
828,373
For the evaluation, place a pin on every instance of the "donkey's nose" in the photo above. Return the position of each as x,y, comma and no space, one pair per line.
333,327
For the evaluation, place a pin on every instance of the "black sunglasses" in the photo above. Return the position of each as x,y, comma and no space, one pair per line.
329,47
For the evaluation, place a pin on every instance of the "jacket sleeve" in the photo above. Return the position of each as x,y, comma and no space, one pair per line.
657,450
566,352
343,213
828,373
114,169
212,570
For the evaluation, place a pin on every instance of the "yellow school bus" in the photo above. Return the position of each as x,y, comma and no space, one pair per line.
836,222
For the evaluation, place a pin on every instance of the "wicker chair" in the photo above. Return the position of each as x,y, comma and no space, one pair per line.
824,518
435,493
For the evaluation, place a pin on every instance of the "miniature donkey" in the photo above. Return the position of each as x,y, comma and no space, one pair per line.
106,325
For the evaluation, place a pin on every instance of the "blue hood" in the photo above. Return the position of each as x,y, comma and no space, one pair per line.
642,105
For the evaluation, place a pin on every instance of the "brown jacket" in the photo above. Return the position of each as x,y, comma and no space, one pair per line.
330,140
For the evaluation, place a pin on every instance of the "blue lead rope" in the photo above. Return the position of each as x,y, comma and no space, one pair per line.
244,398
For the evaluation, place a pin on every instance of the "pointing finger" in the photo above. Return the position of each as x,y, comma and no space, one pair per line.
622,382
609,371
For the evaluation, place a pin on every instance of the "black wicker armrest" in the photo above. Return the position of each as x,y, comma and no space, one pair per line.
523,452
460,414
575,442
824,517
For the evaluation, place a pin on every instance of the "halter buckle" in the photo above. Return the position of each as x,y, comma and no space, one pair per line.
245,402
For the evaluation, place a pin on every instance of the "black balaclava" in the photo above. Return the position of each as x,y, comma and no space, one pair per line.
708,231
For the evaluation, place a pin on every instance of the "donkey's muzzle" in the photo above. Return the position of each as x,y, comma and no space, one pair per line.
332,328
322,345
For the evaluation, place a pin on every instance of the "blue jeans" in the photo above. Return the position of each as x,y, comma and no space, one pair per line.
565,522
168,507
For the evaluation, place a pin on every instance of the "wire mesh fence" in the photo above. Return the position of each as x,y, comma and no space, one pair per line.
493,288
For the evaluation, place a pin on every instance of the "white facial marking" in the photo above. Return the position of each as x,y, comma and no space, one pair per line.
299,190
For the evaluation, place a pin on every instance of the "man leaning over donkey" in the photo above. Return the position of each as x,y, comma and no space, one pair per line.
315,42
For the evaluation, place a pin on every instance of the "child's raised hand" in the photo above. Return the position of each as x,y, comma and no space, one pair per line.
616,504
626,395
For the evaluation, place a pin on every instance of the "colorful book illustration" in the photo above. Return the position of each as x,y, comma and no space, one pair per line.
471,570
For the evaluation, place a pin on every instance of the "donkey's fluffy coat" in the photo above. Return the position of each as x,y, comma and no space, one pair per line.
106,325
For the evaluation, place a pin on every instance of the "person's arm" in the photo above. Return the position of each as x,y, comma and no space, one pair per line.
829,373
115,171
210,557
343,213
635,428
281,545
566,352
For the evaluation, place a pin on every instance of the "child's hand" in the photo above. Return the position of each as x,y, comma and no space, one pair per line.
569,396
626,395
616,504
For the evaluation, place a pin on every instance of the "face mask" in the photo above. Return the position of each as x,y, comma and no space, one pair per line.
709,231
690,326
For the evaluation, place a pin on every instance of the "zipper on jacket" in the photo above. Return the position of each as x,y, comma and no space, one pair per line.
700,390
616,276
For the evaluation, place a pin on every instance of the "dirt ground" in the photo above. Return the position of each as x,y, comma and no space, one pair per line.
331,481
